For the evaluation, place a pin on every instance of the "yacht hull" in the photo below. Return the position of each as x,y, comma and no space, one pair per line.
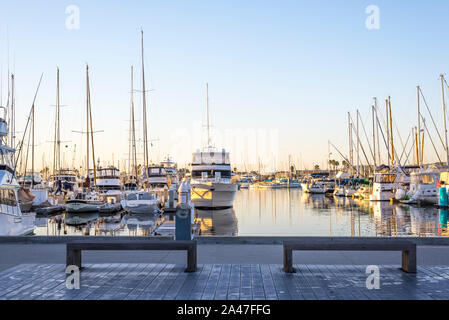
213,195
82,206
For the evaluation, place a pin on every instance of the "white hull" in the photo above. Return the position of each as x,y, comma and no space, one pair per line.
79,206
14,225
213,194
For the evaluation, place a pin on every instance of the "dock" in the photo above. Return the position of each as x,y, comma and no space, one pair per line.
157,281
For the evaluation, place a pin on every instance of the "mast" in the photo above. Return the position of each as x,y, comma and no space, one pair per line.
207,115
133,128
444,118
358,145
350,142
374,133
57,137
91,131
87,121
32,149
144,107
13,114
391,131
419,122
388,131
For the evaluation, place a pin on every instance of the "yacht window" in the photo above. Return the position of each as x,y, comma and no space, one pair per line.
217,174
204,175
427,179
132,196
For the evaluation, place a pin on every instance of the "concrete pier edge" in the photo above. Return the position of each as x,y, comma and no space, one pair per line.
250,240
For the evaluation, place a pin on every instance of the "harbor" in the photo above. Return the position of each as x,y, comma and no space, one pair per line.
224,152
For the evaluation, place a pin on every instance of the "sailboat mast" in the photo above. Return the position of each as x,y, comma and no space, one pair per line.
207,115
87,121
373,107
444,118
32,149
13,113
91,132
391,131
57,138
144,107
419,120
358,145
133,128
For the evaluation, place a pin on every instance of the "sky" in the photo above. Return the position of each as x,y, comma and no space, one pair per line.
282,75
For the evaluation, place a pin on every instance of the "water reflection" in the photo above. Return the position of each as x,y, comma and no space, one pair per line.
279,212
292,212
217,222
96,224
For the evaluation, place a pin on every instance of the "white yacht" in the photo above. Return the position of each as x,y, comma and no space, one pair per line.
69,179
12,221
108,184
211,180
384,185
423,188
158,180
140,202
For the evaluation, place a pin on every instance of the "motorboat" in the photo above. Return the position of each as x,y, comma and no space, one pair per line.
140,202
211,185
84,202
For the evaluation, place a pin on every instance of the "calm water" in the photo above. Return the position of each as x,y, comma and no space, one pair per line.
272,212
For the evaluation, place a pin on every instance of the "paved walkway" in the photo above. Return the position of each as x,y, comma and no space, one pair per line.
221,281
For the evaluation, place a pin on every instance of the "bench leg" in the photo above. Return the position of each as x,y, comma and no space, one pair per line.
73,258
191,259
288,261
409,261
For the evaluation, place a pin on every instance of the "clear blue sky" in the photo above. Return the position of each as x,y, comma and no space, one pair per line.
291,67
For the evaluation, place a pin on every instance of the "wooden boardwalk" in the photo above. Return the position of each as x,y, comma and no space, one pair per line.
221,282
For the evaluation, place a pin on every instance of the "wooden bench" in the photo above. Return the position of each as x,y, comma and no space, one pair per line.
74,249
408,248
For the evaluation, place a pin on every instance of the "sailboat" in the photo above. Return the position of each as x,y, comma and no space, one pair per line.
211,175
134,200
87,201
13,222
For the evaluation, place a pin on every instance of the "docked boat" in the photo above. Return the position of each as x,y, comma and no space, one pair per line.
84,203
140,202
423,188
108,184
211,180
13,222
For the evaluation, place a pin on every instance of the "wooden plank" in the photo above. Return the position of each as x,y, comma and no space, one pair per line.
277,275
148,275
268,284
20,289
121,288
234,283
200,285
212,282
157,284
177,285
245,282
172,279
223,283
257,283
190,282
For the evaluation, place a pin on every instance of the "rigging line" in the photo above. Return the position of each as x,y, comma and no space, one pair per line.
431,117
411,149
404,149
430,137
360,143
369,145
28,122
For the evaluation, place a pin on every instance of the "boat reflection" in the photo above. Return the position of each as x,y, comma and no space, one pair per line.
217,222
